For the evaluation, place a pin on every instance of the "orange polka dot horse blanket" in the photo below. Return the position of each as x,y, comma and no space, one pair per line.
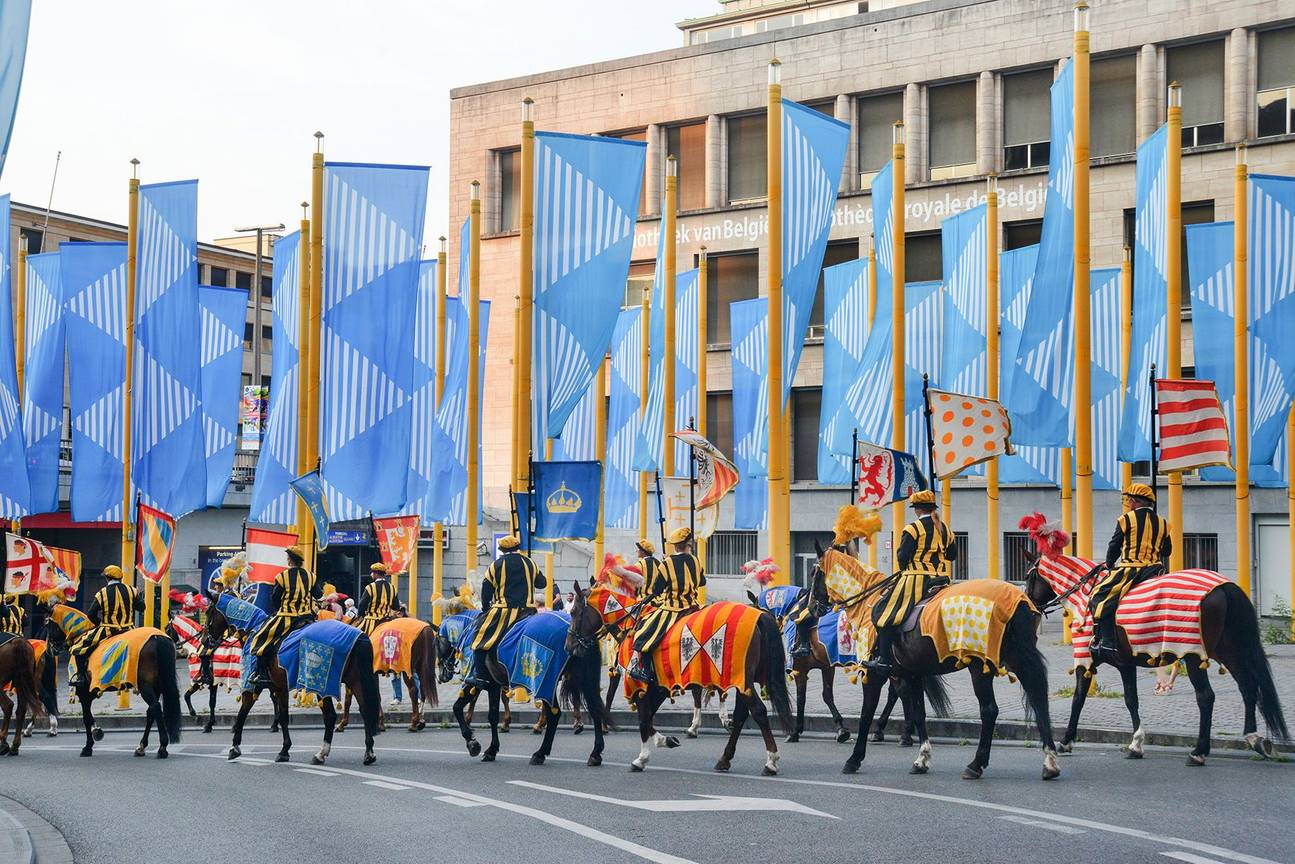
708,648
393,645
966,621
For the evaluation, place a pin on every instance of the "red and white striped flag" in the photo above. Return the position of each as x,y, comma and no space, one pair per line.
1193,430
267,553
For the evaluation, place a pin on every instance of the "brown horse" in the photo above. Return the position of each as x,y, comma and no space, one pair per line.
17,672
422,668
1229,632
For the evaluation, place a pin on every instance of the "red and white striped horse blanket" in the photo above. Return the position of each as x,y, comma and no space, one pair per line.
1161,616
226,663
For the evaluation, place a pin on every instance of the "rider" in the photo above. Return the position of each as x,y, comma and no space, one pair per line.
11,614
851,524
377,601
1138,550
112,611
673,592
926,553
507,595
294,596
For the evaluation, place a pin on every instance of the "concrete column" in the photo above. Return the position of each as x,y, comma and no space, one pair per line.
845,109
655,179
987,133
1148,92
1236,86
915,134
716,162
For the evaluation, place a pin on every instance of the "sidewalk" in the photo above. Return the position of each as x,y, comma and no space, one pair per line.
26,838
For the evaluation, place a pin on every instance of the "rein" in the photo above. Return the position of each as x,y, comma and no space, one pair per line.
1058,599
870,590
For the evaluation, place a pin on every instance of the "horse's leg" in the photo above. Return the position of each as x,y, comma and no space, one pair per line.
1076,708
467,697
281,715
892,696
18,724
741,710
915,710
346,710
829,697
552,717
1200,679
695,727
647,707
151,711
1129,680
591,697
871,696
245,702
92,734
188,701
662,740
507,725
761,716
329,710
493,692
415,702
802,685
6,705
613,682
982,685
211,709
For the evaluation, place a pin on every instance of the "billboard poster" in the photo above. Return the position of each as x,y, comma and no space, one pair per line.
251,414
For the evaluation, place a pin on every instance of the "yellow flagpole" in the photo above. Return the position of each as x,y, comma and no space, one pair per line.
600,451
779,511
897,321
1174,273
1290,500
668,222
1067,477
526,301
1241,365
991,370
514,471
474,376
20,328
128,399
702,323
548,556
305,524
872,317
438,530
644,331
1126,343
315,314
1083,458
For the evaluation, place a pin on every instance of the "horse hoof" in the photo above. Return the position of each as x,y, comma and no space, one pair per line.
536,730
769,772
340,727
506,728
594,761
87,750
850,767
316,759
1133,754
691,733
878,737
422,724
1051,773
12,751
972,772
1066,749
1194,761
370,758
4,748
139,751
193,715
53,733
671,742
162,754
722,766
1261,745
474,748
793,738
728,725
906,742
206,729
636,768
97,734
537,759
577,729
282,757
842,735
488,756
918,769
234,753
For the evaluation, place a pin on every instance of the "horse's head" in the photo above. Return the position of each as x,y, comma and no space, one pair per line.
446,658
1037,588
217,626
616,610
63,623
586,624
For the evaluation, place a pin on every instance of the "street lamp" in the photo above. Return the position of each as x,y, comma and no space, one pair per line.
256,297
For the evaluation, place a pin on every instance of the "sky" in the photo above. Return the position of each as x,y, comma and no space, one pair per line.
231,92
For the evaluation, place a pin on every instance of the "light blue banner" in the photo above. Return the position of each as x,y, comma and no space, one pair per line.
813,154
423,402
224,312
566,499
586,200
1015,279
620,480
42,389
1271,275
1040,395
373,226
310,489
272,500
883,231
94,288
15,489
1148,345
167,444
649,444
448,500
964,241
1107,363
686,294
749,323
15,17
577,441
846,313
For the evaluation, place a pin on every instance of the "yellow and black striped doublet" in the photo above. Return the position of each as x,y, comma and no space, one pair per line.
376,605
507,594
113,612
673,590
11,618
926,552
1137,549
648,567
295,593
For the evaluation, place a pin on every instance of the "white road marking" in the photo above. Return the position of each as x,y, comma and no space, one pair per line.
383,784
1040,823
459,802
700,804
1190,858
316,772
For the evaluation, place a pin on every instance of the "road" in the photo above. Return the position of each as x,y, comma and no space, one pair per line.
426,800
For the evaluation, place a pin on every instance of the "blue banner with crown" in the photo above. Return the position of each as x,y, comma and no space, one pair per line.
566,499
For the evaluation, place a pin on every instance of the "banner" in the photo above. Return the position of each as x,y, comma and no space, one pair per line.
423,402
847,318
530,544
272,501
620,480
373,228
577,441
813,154
211,559
650,440
586,200
156,540
886,475
1271,272
565,496
1106,365
966,430
1015,281
310,489
28,567
715,473
42,386
883,235
1040,396
94,287
749,326
15,17
15,488
686,294
266,555
1193,431
448,501
67,562
224,312
964,244
397,541
676,498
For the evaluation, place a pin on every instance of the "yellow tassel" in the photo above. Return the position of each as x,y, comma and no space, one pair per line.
1011,677
1205,664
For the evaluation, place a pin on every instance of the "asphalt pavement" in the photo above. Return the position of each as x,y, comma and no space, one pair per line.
425,799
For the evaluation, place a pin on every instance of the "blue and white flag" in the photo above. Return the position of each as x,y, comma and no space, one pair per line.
94,288
1148,344
1272,309
42,388
1107,368
15,489
577,441
964,241
586,199
846,313
566,499
813,154
272,501
1015,280
886,475
1040,394
224,312
883,233
649,443
749,323
167,447
309,487
686,294
423,403
620,480
373,225
15,16
448,500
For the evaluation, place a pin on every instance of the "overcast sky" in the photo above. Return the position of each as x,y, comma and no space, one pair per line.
231,91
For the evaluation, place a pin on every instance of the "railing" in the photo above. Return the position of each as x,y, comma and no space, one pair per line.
727,551
244,473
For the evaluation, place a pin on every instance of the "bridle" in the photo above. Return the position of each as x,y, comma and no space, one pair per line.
1058,600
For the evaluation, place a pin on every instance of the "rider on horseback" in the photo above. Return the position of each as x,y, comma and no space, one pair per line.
507,595
851,524
672,592
926,553
11,614
112,611
377,601
294,597
1137,551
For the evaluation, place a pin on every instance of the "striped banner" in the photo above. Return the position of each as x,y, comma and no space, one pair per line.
42,389
846,313
15,17
620,480
224,312
15,489
650,440
423,401
686,294
1272,307
1106,364
94,285
1193,431
448,501
586,198
373,223
1015,280
272,500
577,441
749,323
883,232
166,442
156,543
965,347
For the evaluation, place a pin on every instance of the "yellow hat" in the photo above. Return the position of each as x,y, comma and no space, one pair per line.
512,541
679,536
296,552
8,598
852,523
378,567
646,545
329,588
1139,490
112,571
923,497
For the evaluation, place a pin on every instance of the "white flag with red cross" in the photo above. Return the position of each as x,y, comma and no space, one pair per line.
28,566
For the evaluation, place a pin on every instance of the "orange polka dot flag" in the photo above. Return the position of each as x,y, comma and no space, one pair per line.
966,430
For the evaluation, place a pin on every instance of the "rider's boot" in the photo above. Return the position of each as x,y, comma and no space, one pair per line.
643,669
881,660
801,646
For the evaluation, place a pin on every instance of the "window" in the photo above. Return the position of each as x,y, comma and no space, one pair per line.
1113,105
719,421
243,280
877,116
804,554
267,337
640,135
267,289
1018,551
806,403
1027,107
747,149
509,164
688,145
727,551
952,148
35,239
1025,232
1276,82
1199,70
219,277
961,566
923,261
823,106
779,22
247,336
638,283
836,253
1201,552
729,278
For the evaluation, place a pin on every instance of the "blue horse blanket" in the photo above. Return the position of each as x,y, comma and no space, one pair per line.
241,615
832,631
534,652
314,656
458,630
779,598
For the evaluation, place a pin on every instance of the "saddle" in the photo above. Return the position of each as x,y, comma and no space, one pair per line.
6,638
915,614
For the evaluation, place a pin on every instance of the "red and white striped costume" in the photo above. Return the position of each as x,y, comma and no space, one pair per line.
226,662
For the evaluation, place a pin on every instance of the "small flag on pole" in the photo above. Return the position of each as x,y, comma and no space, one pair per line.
1193,430
397,541
156,540
678,513
267,553
966,430
28,567
886,475
716,473
310,489
566,499
67,564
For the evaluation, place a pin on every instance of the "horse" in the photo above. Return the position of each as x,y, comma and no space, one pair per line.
452,648
842,580
357,674
47,686
416,666
155,677
17,673
203,671
1228,633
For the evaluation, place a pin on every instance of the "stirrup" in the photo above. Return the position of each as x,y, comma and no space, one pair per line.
877,665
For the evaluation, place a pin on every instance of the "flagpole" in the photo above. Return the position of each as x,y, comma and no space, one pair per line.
1083,456
514,456
644,335
702,324
992,314
897,318
600,451
20,330
779,507
526,298
1067,502
128,398
1174,280
854,465
668,222
305,524
1155,410
548,554
474,377
1241,367
438,529
315,314
1126,344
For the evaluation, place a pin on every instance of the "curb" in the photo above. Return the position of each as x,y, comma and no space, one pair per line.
27,838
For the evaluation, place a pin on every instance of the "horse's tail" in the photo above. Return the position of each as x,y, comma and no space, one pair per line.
24,679
48,679
167,686
937,695
1242,629
773,653
370,701
424,664
1020,653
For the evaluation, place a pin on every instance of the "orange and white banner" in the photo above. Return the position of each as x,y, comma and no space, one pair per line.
397,541
966,430
267,553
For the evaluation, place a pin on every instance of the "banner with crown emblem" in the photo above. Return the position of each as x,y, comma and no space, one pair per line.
566,499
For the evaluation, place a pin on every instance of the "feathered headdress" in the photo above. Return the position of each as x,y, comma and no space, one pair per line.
461,601
1049,537
761,572
232,569
853,523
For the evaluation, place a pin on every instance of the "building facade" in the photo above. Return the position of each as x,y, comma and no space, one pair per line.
970,80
